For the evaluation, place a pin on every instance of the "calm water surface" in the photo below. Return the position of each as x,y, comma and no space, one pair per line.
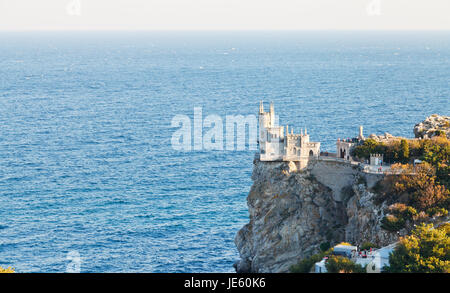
85,126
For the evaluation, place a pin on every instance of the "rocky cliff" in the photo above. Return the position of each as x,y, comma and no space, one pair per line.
292,212
432,125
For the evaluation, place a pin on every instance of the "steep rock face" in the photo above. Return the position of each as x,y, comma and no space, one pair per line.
364,219
433,123
292,212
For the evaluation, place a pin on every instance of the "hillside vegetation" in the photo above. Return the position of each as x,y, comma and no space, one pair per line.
421,191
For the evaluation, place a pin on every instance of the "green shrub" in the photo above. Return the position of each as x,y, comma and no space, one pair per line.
441,212
365,149
403,211
439,133
340,264
399,214
409,213
306,264
392,223
367,246
324,246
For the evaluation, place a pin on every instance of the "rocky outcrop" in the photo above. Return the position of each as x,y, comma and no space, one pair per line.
292,212
384,138
432,125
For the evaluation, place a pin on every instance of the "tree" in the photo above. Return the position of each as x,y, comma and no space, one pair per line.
365,149
367,246
306,264
340,264
426,250
404,151
422,188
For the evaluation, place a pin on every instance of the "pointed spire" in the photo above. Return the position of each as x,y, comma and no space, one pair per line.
272,115
261,107
306,131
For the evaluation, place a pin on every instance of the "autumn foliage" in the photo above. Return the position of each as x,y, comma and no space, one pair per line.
7,270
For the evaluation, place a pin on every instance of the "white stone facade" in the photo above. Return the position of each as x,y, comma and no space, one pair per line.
344,147
277,145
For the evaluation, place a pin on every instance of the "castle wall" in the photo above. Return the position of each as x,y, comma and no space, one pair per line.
335,175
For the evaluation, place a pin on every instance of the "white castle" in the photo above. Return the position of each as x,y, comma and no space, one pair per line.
276,145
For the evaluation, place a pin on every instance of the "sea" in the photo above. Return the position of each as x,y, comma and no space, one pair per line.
89,178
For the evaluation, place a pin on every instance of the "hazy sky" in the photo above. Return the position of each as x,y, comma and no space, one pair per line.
224,14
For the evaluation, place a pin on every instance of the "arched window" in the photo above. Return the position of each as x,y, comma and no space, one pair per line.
311,153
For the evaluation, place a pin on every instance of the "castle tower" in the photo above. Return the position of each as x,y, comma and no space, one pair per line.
277,143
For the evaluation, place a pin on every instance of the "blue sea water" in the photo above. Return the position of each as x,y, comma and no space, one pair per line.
86,163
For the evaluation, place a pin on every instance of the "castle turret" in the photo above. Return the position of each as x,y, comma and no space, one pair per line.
376,159
272,115
263,124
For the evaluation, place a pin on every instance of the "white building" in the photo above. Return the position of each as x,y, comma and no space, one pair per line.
373,260
319,267
344,146
277,145
345,250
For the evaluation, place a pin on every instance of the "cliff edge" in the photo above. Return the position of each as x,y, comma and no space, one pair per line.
292,212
